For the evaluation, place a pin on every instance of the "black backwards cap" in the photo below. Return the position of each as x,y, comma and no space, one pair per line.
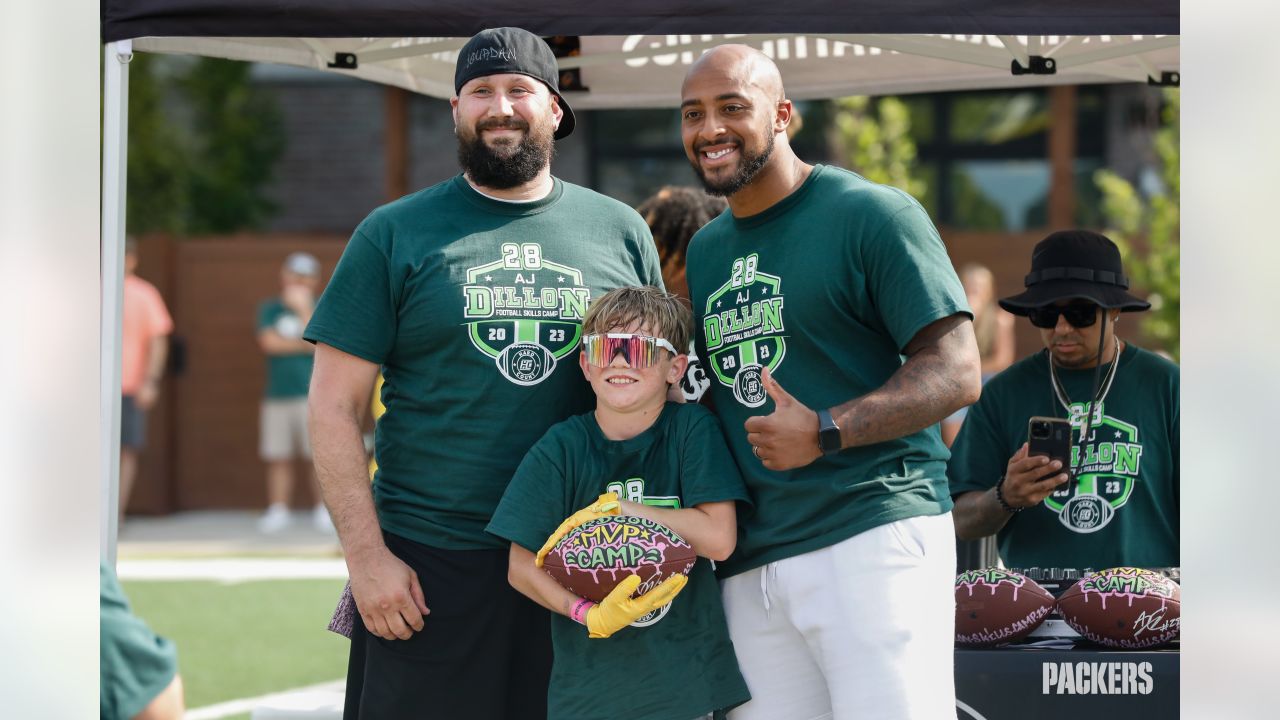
512,50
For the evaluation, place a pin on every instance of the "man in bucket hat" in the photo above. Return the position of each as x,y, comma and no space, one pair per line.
469,296
1118,502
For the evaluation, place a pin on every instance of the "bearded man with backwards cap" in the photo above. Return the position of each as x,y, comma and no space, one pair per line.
836,335
1118,503
469,296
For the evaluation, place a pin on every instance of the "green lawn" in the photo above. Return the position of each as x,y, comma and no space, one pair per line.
246,639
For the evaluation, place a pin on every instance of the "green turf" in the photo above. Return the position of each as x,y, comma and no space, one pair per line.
245,639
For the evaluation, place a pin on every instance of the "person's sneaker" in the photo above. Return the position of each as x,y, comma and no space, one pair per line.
275,519
320,518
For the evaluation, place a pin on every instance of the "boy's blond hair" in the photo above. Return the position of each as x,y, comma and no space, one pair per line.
665,315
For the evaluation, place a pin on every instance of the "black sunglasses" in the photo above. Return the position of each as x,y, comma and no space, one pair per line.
1078,315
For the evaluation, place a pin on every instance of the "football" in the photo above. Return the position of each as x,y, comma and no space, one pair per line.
1124,607
596,556
996,606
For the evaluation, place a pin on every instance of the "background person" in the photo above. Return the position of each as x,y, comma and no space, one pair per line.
674,214
1121,508
283,435
469,296
145,329
840,596
993,329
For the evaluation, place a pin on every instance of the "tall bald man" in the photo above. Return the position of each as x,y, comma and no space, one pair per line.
837,336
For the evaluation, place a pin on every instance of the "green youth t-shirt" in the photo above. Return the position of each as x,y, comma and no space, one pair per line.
288,376
1123,508
825,289
679,661
473,308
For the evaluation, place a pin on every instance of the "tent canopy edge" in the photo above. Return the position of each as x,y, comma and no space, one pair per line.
126,19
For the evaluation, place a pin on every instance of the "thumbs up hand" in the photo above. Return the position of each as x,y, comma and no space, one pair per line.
788,437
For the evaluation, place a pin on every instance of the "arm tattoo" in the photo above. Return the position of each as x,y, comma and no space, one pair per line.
940,376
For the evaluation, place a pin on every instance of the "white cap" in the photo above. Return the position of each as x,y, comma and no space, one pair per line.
301,263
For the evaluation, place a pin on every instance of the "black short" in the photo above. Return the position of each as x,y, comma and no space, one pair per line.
133,424
484,652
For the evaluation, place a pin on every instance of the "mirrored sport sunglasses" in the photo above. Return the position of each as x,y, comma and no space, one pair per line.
640,351
1079,315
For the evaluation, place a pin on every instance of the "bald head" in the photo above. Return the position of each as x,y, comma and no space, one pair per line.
741,63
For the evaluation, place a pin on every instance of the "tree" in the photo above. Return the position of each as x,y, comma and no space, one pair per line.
203,141
1147,231
158,175
875,140
238,137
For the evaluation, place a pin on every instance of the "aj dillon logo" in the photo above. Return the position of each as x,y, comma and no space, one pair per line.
525,312
744,330
1096,678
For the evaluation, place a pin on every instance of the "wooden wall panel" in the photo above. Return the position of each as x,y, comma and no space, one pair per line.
153,490
1008,255
218,285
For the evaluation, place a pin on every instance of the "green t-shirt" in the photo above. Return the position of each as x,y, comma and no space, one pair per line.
679,661
825,289
134,664
473,308
288,376
1123,509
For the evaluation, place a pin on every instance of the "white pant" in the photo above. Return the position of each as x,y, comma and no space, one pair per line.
860,629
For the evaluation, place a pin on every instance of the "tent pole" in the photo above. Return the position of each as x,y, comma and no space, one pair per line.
115,125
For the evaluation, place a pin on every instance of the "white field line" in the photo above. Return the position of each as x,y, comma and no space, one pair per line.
327,693
233,570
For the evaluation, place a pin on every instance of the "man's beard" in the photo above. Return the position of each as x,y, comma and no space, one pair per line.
748,167
504,168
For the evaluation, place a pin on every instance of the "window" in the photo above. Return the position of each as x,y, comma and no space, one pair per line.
990,169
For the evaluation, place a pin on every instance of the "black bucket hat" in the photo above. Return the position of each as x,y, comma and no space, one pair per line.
512,50
1075,264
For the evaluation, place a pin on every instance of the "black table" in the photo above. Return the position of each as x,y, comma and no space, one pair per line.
1078,682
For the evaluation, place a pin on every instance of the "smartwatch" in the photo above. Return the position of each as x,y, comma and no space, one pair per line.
828,433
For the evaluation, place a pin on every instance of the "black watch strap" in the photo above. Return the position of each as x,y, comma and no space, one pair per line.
828,433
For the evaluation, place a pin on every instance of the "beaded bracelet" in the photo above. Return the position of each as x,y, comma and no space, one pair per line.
1000,498
579,611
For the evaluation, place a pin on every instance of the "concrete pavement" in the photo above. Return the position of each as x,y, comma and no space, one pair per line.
222,533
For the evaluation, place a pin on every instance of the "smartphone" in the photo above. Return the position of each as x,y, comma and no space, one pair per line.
1050,437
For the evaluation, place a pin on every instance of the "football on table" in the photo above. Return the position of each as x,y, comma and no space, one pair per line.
1124,607
595,556
996,606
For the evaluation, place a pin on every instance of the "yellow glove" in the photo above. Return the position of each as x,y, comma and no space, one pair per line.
606,504
619,609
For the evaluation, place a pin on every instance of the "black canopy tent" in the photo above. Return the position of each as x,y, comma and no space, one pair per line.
628,55
125,19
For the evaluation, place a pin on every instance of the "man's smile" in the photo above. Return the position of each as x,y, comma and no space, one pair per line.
718,155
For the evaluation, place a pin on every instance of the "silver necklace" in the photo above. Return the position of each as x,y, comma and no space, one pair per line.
1060,392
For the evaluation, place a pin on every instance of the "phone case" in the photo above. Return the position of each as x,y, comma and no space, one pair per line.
1050,437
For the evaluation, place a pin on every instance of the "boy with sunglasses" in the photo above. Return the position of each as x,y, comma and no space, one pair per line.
655,656
1118,502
